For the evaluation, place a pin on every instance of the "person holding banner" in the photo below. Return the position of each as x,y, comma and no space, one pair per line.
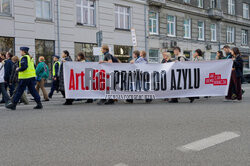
166,57
181,58
196,57
66,57
143,54
228,52
219,55
138,59
237,74
81,58
108,58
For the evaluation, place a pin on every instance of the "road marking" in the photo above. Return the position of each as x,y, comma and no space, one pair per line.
121,164
208,142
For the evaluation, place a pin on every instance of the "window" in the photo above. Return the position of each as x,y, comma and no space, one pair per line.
200,3
213,32
153,56
186,1
244,40
231,7
171,26
85,12
7,44
122,17
45,48
5,7
213,4
213,55
187,28
87,49
230,34
153,23
245,11
123,53
44,9
201,30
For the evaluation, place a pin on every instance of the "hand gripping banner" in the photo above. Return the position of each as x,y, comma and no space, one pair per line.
143,81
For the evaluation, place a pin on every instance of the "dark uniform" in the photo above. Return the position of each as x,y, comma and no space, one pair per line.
55,83
27,78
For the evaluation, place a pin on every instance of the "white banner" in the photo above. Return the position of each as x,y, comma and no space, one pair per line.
140,81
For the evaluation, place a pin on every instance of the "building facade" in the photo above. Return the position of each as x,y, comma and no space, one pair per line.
193,24
50,26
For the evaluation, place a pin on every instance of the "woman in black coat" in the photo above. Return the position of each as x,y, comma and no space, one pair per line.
237,74
66,57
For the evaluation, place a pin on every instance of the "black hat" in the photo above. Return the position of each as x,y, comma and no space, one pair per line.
24,49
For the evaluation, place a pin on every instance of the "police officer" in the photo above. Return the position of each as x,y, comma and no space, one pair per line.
27,78
56,67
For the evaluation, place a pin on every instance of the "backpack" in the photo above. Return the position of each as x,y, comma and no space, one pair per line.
46,71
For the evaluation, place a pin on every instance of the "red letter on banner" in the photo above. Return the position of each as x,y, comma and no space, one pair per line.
72,80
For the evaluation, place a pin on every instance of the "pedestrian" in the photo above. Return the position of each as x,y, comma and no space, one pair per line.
55,73
27,78
143,54
81,58
2,83
2,59
42,74
179,57
8,68
14,80
65,58
166,57
219,55
198,56
138,60
108,58
236,76
227,51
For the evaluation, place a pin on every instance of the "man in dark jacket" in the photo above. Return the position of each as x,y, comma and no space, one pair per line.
7,72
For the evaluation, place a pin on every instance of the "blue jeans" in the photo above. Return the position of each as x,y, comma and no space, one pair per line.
23,83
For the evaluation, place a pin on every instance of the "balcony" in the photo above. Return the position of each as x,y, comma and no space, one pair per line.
156,2
216,14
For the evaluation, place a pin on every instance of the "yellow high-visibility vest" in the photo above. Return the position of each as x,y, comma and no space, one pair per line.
54,67
30,72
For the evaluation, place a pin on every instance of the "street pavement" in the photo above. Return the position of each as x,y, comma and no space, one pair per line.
157,134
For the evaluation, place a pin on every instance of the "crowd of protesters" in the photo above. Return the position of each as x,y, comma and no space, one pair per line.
9,68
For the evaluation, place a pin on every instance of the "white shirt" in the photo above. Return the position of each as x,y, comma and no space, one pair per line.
2,73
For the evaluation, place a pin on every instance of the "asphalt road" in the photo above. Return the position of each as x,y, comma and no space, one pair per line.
126,135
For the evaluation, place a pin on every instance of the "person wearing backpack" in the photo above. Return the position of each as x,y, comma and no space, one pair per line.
42,72
108,58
